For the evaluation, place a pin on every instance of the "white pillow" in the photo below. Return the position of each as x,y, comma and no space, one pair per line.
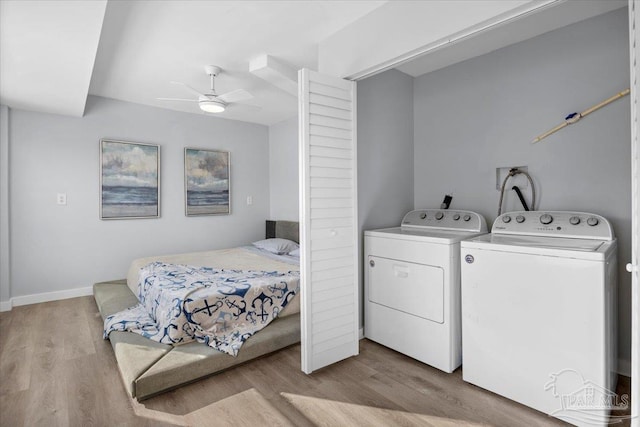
277,245
295,252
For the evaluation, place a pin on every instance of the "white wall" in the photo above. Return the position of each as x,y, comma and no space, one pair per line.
283,170
57,248
385,153
482,113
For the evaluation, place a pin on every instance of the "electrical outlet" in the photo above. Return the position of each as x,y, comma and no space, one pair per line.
61,198
249,200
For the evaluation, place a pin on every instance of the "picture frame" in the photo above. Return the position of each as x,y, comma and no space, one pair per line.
207,182
129,180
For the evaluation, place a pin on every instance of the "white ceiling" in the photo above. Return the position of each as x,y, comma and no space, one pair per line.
146,44
50,56
508,33
51,59
47,50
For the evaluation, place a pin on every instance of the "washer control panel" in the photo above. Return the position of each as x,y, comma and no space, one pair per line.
445,220
578,225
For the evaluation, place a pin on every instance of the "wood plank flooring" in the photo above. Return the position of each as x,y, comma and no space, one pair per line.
56,370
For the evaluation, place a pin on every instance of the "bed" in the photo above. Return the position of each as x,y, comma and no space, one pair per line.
149,367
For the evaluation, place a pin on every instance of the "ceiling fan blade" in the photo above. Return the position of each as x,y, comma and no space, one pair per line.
248,108
235,96
189,88
177,99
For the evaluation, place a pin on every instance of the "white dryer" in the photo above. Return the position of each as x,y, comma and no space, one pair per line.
539,313
412,284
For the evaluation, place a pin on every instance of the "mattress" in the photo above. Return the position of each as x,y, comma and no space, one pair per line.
149,368
241,258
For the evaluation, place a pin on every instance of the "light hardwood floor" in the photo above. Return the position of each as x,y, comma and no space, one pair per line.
55,369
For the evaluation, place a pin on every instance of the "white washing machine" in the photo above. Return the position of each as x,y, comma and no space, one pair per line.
412,284
539,313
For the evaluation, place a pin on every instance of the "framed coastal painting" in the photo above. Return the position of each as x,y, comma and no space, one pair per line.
206,180
129,180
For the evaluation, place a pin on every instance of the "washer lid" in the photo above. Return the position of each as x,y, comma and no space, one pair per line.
582,245
590,249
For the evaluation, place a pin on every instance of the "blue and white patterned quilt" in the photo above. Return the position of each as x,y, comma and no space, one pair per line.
217,307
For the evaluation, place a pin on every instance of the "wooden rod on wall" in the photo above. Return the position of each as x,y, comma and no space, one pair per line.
574,117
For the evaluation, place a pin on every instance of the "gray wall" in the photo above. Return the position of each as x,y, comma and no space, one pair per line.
385,152
482,113
57,248
283,170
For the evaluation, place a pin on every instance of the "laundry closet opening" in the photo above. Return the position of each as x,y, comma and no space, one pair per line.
424,135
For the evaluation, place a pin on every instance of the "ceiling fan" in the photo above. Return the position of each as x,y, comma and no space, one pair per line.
211,102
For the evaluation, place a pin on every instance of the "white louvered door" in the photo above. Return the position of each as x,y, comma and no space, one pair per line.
634,265
328,209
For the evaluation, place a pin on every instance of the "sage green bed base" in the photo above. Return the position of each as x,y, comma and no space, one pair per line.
149,368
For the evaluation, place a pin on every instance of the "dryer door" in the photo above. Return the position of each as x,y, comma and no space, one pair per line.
416,289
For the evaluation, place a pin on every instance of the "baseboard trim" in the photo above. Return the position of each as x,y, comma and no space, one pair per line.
5,306
624,367
45,297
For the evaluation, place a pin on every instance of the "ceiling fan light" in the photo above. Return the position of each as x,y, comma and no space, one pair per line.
212,106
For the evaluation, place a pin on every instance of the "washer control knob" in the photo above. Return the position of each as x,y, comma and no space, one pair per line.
574,220
439,216
467,217
520,219
423,215
506,219
546,219
456,217
593,221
